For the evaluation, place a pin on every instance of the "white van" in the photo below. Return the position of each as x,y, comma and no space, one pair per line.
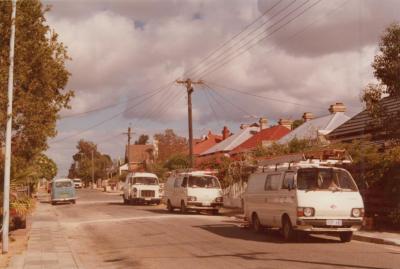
141,188
304,198
198,190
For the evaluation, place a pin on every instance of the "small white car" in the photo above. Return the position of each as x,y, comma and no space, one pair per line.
77,183
196,190
304,198
141,188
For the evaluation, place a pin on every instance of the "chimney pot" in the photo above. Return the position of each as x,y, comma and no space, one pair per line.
307,116
263,122
286,123
225,133
244,126
337,107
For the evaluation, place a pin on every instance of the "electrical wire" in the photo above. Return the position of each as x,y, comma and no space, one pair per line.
231,39
205,92
261,96
230,58
112,117
227,51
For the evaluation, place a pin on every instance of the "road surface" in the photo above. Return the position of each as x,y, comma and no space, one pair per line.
105,233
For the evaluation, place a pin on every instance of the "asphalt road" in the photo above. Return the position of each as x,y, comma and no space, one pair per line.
104,233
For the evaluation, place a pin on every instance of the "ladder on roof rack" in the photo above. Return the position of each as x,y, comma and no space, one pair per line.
322,157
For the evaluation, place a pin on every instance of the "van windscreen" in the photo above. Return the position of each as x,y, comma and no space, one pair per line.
203,182
63,184
325,179
144,180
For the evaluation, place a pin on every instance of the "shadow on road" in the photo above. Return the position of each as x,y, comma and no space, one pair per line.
256,256
270,236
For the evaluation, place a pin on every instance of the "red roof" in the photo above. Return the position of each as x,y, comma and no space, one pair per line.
270,134
206,143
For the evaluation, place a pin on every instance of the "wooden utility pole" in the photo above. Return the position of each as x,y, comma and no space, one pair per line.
129,133
189,88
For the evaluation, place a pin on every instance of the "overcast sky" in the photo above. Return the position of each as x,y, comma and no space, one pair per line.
314,53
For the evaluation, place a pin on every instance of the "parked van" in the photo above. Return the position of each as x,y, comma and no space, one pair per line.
62,190
78,183
196,190
304,198
141,188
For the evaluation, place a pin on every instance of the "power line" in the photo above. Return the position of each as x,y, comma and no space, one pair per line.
227,100
231,39
205,92
110,105
218,66
221,55
112,117
262,97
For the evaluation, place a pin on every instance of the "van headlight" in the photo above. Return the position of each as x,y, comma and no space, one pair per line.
191,198
357,212
305,211
219,199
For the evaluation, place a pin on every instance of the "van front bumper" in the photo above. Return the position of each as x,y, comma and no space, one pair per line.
63,199
319,225
146,200
204,206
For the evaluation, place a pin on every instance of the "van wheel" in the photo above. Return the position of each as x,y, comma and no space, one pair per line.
183,207
215,211
255,221
53,203
125,201
169,206
73,201
346,236
287,229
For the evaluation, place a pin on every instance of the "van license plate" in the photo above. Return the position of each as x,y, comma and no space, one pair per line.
334,222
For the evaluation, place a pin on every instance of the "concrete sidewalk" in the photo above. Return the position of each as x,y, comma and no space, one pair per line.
47,245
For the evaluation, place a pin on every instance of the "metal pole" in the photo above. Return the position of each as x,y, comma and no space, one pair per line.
7,162
92,171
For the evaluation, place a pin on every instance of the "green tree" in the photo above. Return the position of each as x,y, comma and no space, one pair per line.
83,164
142,140
40,78
170,144
387,71
387,63
177,161
297,123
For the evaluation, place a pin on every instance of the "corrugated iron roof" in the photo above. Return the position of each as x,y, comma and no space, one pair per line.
311,128
361,122
233,141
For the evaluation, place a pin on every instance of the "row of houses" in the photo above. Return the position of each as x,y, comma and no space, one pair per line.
334,126
250,136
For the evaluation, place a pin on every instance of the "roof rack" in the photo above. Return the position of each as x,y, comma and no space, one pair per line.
323,157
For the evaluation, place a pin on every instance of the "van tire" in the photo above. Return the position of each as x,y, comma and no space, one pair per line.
287,229
125,200
73,201
345,236
53,203
255,223
215,211
183,207
169,206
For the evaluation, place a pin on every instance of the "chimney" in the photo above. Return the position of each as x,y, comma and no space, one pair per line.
263,123
307,116
286,123
225,133
338,107
244,126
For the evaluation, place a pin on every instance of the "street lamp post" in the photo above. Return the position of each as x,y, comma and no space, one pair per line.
7,162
